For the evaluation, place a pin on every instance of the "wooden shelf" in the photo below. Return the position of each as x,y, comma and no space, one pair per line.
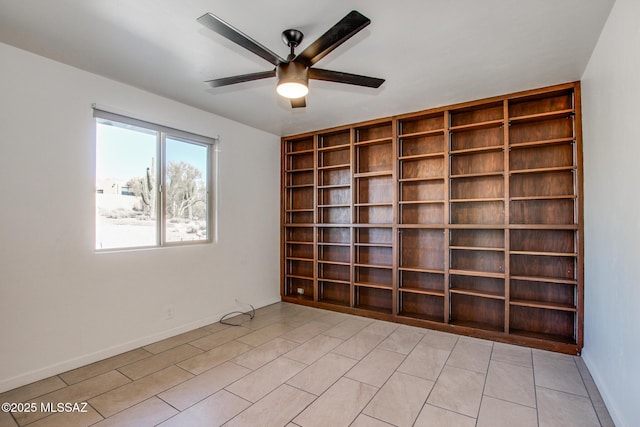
565,254
340,282
299,170
373,204
290,258
545,279
469,222
421,202
543,226
421,156
477,126
543,116
421,291
374,245
544,142
421,270
542,337
293,153
295,276
372,308
331,167
372,174
477,274
372,285
334,148
542,170
524,198
379,266
299,186
544,305
334,302
476,293
478,150
427,226
477,175
477,226
344,205
333,262
428,178
487,199
373,141
326,187
409,316
476,325
423,133
477,248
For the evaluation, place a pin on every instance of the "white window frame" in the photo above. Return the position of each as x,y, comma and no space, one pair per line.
162,133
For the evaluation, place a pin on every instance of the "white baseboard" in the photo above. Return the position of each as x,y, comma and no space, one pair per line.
67,365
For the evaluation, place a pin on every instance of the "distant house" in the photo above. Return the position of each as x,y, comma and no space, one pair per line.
111,186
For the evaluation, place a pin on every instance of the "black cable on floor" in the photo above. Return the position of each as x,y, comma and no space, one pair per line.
251,315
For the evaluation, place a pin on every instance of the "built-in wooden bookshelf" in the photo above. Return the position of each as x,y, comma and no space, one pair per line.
466,218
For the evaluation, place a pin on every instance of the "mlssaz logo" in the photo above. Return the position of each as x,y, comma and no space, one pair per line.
52,407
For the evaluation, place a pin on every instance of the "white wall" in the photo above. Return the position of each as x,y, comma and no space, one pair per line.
63,305
611,106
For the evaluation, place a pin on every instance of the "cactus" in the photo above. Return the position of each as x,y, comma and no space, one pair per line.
147,193
147,187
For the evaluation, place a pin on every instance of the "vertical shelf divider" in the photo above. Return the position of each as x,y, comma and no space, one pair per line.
394,219
447,216
507,221
315,217
353,232
283,219
579,212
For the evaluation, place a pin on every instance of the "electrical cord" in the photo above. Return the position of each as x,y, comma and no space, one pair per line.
251,315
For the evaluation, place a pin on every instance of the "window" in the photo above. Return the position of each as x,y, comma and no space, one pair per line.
153,184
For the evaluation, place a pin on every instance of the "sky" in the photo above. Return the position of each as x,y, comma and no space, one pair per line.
124,153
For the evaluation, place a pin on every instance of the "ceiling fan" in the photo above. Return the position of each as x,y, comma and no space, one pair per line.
293,73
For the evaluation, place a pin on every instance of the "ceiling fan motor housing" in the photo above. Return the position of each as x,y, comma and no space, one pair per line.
292,73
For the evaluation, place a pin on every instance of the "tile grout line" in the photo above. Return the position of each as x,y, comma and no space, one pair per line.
357,361
265,396
384,383
587,390
436,381
195,376
535,390
484,385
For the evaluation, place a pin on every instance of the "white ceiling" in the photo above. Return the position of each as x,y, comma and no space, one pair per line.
431,52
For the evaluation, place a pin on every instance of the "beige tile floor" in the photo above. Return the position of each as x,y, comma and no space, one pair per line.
299,366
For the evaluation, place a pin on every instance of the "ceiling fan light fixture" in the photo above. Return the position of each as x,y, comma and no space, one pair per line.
293,80
292,90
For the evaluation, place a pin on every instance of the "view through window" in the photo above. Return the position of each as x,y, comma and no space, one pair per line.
152,184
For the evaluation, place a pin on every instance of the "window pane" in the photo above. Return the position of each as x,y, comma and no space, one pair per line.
186,191
126,202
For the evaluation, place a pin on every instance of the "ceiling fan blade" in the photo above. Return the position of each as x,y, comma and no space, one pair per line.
219,26
338,34
298,102
225,81
347,78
